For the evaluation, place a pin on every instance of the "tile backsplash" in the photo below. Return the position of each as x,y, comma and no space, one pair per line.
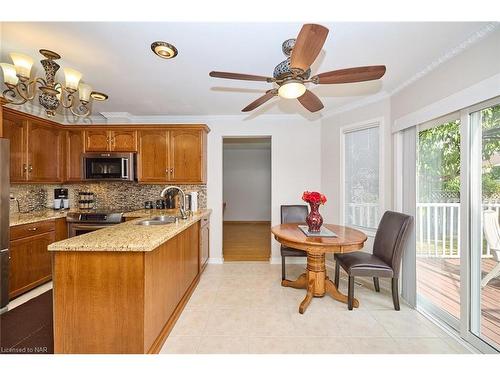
120,196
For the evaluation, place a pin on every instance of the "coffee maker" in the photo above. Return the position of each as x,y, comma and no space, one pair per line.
61,199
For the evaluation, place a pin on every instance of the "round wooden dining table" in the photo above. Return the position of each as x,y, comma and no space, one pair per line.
315,279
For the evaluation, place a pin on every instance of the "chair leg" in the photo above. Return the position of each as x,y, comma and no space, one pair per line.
283,274
350,292
376,284
395,293
337,273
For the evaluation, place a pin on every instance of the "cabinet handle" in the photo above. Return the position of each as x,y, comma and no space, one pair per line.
34,229
30,168
171,170
25,168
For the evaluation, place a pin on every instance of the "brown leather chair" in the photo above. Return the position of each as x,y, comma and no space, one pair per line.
292,214
385,261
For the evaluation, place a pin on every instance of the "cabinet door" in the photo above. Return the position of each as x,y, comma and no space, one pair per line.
14,128
74,150
153,156
123,140
45,156
30,263
186,156
204,242
97,140
189,244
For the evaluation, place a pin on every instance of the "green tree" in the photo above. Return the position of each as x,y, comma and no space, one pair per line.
439,157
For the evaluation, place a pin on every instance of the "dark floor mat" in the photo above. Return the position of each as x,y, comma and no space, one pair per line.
28,329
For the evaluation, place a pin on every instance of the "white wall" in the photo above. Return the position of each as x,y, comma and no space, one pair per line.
247,183
295,165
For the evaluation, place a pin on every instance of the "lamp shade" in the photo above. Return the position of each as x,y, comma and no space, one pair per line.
84,92
72,78
23,64
9,74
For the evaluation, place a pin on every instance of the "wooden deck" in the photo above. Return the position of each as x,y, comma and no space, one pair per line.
439,282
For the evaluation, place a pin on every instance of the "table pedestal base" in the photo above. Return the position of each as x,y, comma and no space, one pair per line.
316,282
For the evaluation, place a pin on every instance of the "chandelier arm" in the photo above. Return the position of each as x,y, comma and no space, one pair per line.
10,95
23,89
67,99
84,111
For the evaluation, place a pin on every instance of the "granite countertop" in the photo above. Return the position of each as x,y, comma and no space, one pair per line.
35,216
151,212
127,236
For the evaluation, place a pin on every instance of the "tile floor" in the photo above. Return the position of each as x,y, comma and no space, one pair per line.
242,308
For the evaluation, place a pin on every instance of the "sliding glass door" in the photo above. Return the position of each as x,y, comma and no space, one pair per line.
453,262
438,219
485,228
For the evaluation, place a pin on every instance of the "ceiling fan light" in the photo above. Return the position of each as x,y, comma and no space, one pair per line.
23,64
292,89
9,74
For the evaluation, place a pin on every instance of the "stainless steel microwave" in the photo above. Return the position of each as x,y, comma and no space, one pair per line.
109,166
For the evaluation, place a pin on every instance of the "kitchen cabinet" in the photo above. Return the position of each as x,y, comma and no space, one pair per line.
99,140
45,153
36,149
14,129
175,156
74,150
30,262
152,163
204,242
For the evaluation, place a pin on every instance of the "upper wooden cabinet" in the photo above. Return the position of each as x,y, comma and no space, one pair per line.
172,156
74,150
36,149
45,153
14,129
110,140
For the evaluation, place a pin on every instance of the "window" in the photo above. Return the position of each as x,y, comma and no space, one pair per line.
361,177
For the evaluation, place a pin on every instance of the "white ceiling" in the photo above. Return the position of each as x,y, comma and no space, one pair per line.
116,58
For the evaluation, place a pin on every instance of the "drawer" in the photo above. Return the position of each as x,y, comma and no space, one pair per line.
27,230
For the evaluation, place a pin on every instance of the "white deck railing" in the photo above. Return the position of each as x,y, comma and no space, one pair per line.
437,226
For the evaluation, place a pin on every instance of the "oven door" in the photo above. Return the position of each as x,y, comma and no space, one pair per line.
117,167
76,229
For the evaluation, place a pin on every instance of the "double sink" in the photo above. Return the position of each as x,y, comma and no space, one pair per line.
159,220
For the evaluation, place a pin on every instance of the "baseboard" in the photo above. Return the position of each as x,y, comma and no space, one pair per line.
289,260
215,261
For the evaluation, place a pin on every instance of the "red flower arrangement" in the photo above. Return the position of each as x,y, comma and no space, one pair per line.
313,197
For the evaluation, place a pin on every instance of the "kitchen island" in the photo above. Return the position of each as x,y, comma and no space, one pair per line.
121,289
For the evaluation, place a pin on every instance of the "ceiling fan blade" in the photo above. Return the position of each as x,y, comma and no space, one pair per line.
244,77
308,46
264,98
310,101
359,74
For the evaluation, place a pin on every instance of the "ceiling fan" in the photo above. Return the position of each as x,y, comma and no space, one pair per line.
291,74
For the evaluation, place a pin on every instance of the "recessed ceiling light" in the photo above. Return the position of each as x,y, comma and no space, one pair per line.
99,96
164,50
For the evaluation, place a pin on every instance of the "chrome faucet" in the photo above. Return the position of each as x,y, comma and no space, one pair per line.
182,209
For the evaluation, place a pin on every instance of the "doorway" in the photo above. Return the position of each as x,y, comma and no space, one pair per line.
246,198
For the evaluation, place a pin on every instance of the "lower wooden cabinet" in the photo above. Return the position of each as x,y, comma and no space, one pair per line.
30,262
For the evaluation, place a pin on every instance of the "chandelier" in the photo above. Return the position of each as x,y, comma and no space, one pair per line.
21,88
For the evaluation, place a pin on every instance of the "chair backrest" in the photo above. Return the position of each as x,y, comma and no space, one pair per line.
391,237
294,213
491,230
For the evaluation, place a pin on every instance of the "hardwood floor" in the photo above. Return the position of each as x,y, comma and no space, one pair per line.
247,241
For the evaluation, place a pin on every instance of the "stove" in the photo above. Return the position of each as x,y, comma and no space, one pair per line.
85,222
